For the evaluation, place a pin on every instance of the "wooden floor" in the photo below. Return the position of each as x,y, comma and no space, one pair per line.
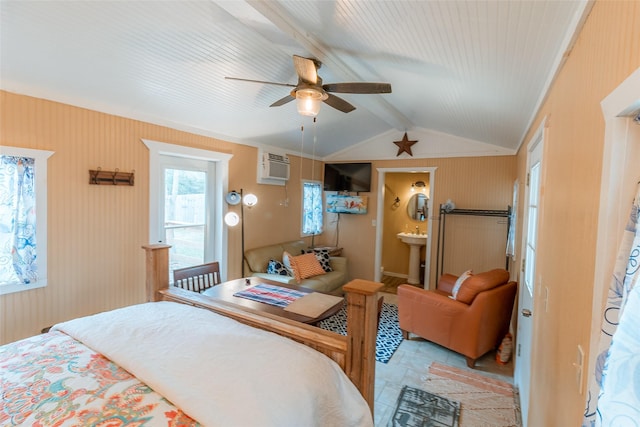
391,283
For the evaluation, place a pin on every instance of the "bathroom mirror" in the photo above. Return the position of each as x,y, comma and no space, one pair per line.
418,208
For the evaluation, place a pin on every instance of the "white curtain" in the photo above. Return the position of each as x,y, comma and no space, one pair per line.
614,388
18,262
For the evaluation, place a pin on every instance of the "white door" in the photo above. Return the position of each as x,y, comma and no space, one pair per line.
186,186
522,375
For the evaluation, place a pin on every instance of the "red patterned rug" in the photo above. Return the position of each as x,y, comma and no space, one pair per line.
484,401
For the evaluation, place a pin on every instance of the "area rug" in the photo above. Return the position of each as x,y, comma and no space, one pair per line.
420,408
484,401
389,333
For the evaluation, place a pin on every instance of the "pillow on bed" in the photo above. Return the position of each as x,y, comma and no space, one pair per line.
277,267
305,266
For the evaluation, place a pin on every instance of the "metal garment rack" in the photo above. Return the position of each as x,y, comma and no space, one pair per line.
472,212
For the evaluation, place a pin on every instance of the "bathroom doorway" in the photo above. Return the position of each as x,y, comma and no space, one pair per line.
405,201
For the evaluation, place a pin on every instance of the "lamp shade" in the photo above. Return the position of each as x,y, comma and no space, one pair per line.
231,219
309,101
233,197
250,200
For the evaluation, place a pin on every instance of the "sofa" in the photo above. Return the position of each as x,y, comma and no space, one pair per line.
472,324
257,260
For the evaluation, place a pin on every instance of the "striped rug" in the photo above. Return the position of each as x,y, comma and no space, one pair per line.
484,401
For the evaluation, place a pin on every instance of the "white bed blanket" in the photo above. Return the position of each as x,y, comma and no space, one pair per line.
221,372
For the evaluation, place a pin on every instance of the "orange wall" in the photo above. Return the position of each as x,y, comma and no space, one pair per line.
471,182
606,52
96,232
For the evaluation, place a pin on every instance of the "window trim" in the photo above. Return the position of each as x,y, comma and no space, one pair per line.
41,159
156,149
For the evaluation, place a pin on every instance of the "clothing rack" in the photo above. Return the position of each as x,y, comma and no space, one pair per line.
472,212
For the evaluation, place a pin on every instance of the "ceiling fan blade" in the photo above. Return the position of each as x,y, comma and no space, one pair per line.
306,69
339,104
282,101
260,81
357,87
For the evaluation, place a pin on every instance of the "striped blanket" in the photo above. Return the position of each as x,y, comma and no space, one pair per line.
270,294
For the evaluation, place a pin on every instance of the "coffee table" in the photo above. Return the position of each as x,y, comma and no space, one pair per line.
224,292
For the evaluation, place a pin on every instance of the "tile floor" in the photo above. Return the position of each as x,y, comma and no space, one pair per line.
409,366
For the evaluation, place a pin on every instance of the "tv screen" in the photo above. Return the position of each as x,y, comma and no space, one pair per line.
353,177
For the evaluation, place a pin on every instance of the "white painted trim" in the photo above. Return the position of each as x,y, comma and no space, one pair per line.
431,170
41,159
222,184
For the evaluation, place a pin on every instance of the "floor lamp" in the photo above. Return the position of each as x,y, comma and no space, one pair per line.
232,219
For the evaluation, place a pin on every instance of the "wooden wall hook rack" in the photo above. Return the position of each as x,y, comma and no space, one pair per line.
100,177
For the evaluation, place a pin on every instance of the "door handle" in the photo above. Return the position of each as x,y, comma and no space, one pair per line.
526,312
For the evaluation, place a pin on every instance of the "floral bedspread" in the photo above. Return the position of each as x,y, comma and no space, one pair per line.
54,380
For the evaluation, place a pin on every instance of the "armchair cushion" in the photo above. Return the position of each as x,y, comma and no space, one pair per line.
481,282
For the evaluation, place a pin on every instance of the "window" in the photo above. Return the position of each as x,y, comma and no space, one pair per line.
23,215
311,208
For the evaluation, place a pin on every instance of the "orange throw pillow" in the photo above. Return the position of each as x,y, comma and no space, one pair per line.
305,266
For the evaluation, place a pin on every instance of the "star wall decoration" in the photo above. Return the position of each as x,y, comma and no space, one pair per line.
404,146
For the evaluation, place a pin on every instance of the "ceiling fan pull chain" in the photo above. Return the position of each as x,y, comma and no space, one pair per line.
313,150
301,147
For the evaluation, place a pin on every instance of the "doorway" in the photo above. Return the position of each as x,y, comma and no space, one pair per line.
164,161
382,209
526,324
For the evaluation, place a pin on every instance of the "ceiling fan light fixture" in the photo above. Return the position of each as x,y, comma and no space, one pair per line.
309,101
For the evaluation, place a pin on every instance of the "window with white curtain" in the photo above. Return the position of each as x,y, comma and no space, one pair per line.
23,219
312,216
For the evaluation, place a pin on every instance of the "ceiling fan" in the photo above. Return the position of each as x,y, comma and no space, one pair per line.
310,92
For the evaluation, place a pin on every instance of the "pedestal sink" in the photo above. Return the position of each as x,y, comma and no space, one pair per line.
415,241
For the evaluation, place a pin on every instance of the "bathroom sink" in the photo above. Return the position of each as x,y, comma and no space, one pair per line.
413,239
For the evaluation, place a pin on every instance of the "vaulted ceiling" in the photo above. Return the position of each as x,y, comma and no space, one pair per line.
467,76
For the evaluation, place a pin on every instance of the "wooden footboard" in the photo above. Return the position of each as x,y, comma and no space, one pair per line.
354,353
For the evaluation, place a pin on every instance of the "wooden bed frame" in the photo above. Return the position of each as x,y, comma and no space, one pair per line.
354,353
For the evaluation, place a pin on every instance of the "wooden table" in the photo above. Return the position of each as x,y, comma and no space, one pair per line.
225,291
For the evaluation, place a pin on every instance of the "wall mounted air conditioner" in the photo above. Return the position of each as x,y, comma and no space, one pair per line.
274,167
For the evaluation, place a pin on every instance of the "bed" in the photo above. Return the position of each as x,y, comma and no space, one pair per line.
184,359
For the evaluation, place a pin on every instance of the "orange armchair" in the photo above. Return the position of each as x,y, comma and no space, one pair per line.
472,324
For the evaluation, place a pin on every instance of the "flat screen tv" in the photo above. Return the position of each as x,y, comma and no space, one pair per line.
351,177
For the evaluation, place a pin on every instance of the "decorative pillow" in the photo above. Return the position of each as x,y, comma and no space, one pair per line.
305,266
286,260
456,288
277,267
323,257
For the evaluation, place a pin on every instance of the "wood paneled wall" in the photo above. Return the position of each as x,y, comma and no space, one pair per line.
606,52
95,232
471,182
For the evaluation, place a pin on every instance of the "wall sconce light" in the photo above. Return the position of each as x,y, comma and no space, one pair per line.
418,184
232,219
